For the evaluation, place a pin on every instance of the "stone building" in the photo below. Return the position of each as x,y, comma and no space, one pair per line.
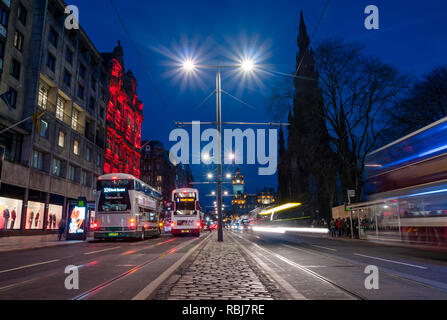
50,160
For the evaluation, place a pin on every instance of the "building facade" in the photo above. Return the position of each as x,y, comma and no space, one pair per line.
124,118
158,171
57,74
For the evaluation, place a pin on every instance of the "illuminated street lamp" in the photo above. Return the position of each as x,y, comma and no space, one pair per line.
245,65
228,175
210,175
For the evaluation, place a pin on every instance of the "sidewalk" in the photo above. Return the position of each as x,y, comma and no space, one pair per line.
220,272
8,244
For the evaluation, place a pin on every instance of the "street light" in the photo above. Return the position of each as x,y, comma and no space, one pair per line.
189,65
213,193
210,175
245,65
228,176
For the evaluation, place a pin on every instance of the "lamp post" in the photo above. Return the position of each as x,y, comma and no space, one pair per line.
247,66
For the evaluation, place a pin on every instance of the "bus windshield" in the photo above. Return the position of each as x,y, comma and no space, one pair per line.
114,195
185,203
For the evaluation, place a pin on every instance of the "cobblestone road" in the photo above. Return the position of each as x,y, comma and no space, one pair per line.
220,272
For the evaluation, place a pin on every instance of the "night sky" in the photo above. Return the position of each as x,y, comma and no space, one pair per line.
412,37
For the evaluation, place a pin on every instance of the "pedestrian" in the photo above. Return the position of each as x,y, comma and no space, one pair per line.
348,227
344,227
338,225
332,227
61,230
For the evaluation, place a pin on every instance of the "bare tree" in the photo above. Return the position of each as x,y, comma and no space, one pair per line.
358,91
425,102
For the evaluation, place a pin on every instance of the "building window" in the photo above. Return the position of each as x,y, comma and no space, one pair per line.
101,112
15,69
2,54
21,14
37,161
74,119
44,129
76,147
56,170
53,37
92,103
82,71
43,96
98,160
94,84
18,41
69,56
88,154
13,101
84,178
67,78
60,108
61,139
71,173
3,17
51,62
81,92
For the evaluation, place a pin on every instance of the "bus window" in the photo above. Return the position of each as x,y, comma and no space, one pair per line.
114,199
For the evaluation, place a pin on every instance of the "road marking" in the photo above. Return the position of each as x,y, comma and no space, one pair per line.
151,287
93,252
30,265
386,260
313,245
293,293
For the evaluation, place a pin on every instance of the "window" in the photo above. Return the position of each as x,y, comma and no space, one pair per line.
93,84
43,96
76,147
129,122
43,129
15,69
3,17
67,78
71,173
74,119
13,101
2,54
69,56
81,92
53,37
61,140
60,108
92,103
21,14
18,41
101,112
51,62
84,178
82,71
88,154
56,170
98,160
37,161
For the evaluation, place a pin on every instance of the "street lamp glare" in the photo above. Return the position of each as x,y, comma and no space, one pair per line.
210,175
188,65
247,65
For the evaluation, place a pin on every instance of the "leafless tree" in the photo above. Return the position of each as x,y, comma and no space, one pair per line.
358,91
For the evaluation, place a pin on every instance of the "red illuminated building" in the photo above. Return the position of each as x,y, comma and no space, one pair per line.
124,118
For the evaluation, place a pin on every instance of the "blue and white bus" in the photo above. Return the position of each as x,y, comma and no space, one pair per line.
126,207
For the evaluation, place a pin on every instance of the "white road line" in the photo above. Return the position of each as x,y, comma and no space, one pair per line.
313,245
93,252
386,260
30,265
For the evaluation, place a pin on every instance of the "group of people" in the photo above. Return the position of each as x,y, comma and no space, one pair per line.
340,227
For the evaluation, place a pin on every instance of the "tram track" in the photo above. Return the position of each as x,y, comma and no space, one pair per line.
93,291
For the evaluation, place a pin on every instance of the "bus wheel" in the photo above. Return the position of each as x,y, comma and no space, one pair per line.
142,235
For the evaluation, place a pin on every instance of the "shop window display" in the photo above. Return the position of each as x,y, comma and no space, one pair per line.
34,216
10,214
54,216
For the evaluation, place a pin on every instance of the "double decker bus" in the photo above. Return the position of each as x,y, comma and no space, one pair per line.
187,215
126,207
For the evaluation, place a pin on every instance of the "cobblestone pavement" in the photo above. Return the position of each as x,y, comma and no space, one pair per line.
219,272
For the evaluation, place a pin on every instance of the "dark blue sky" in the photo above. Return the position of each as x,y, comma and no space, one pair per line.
412,37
